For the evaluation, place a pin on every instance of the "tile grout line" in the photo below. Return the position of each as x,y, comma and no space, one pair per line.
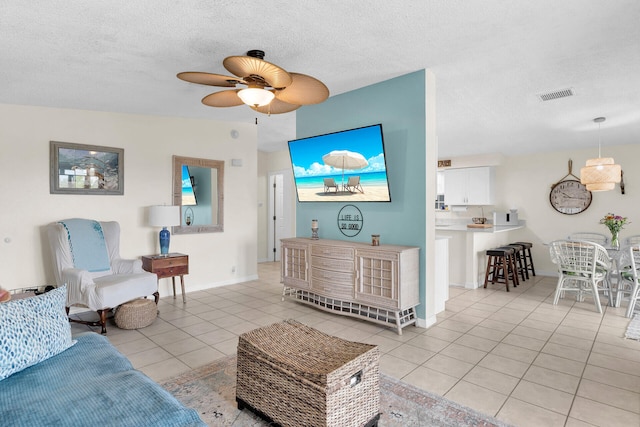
527,301
530,364
510,395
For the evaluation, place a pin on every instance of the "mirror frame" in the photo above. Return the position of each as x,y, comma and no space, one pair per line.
178,161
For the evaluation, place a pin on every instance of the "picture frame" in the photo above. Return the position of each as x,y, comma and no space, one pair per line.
85,169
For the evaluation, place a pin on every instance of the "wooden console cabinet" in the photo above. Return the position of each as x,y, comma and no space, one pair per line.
376,283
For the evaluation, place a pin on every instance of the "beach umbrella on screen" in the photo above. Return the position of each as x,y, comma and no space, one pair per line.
344,159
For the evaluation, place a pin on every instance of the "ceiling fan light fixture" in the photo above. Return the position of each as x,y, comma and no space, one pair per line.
256,96
270,89
600,174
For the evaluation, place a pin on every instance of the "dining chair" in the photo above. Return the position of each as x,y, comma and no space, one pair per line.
632,240
598,238
583,267
628,283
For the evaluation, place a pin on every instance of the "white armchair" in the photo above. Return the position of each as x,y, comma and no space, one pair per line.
120,281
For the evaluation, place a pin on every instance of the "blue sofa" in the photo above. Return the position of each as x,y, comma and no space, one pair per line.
50,378
90,383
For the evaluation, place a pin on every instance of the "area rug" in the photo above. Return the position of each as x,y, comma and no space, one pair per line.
211,391
633,329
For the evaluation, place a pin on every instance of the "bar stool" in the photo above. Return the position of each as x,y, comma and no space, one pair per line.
501,267
527,257
512,263
519,260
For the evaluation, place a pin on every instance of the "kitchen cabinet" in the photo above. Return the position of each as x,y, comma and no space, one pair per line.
375,283
469,186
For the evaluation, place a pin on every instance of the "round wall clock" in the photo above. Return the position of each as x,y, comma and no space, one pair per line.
570,197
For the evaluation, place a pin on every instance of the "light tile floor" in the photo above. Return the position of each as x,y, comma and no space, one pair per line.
511,355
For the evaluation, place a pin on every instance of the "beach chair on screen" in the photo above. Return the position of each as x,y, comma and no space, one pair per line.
353,184
330,183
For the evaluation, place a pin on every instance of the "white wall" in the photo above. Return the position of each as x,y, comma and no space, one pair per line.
524,182
263,205
148,143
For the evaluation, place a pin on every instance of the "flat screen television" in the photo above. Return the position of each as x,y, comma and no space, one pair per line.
188,190
345,166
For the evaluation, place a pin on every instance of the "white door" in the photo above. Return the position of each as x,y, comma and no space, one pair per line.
279,211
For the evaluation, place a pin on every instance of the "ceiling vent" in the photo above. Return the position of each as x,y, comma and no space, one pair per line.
562,93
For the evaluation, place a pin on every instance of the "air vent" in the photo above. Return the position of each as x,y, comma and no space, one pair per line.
562,93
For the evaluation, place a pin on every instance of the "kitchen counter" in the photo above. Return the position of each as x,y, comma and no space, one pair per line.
494,229
441,295
467,249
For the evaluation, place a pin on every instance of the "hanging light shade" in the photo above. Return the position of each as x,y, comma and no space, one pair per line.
600,174
601,186
256,96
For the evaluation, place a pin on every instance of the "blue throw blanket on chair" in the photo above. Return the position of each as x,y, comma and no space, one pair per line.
88,247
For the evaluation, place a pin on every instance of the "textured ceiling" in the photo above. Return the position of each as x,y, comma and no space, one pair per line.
490,58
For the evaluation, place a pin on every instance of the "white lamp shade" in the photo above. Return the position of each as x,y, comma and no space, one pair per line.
256,97
164,216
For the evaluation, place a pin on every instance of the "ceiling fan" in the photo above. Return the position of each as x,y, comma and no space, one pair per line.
270,89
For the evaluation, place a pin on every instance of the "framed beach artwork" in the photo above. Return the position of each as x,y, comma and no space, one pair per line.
344,166
85,169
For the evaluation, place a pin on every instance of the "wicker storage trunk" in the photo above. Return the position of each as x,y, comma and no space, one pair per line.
298,376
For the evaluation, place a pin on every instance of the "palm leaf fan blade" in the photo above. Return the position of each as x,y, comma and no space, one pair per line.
304,90
209,79
250,68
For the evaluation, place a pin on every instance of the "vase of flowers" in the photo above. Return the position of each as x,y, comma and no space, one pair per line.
615,243
614,223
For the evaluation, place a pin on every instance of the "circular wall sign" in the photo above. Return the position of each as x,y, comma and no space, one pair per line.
350,220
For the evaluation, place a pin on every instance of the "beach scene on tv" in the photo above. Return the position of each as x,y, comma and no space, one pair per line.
347,166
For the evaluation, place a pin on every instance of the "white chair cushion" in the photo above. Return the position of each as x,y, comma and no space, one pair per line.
111,291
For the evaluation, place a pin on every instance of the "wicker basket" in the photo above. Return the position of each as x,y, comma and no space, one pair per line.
136,314
298,376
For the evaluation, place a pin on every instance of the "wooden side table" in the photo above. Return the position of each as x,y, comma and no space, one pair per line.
170,265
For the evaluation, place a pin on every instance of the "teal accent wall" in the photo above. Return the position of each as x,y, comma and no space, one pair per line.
399,104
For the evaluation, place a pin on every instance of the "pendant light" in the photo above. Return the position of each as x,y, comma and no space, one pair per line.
600,174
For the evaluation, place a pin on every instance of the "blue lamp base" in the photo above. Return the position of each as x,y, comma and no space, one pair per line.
165,237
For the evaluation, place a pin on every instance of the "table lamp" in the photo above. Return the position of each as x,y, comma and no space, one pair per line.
164,216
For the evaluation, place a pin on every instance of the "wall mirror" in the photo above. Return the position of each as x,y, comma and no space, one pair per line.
198,190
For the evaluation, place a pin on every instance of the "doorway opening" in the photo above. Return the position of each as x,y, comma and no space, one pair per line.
280,213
